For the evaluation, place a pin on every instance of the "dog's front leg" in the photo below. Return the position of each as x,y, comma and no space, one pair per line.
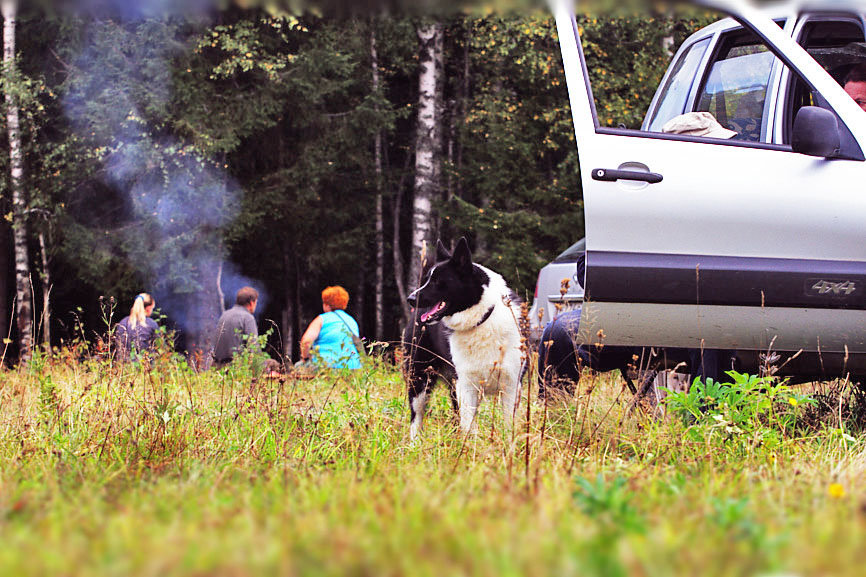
419,392
509,399
467,398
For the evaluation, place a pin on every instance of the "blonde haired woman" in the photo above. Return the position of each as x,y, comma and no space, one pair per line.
137,332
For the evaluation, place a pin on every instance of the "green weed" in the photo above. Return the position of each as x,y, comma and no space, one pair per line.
762,408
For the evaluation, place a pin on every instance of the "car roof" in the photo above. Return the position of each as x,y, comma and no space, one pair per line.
774,12
782,11
785,6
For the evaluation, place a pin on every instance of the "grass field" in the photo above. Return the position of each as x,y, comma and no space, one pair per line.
116,470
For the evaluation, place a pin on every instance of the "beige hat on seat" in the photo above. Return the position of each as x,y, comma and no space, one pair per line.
697,124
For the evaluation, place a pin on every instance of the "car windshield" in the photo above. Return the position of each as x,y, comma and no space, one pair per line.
572,253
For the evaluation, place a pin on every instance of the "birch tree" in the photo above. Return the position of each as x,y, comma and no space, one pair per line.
23,298
380,224
46,293
428,147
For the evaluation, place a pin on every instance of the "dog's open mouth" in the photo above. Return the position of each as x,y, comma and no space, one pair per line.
432,314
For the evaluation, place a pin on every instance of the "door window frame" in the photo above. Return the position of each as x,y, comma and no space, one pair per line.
683,54
782,60
783,121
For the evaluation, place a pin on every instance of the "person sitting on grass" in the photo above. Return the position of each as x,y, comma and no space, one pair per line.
136,333
328,341
236,327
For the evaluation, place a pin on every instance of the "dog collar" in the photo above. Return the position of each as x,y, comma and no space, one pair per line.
486,316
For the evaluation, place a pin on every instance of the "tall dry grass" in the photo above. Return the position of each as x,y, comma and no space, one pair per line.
110,469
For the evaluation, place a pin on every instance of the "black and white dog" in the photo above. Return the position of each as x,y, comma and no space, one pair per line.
478,337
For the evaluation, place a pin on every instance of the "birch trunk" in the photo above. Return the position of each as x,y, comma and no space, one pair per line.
297,322
23,296
288,316
445,229
219,287
399,270
396,239
359,298
7,302
288,333
464,103
665,17
428,153
379,327
219,279
46,294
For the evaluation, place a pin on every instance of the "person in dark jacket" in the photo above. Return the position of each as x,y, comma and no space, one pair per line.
561,355
136,333
236,327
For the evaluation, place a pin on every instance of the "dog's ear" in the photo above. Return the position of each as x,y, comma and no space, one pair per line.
462,257
442,253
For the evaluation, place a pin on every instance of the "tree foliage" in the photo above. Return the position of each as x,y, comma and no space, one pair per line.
167,149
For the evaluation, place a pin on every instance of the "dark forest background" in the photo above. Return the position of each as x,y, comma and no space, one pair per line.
187,152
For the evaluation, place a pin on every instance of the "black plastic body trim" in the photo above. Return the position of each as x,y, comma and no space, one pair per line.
724,280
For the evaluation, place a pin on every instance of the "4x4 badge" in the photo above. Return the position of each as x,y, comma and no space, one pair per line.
837,288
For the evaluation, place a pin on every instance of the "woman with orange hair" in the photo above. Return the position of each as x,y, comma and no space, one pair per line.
328,341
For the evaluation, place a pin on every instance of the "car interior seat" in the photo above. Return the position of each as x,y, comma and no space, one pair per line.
746,122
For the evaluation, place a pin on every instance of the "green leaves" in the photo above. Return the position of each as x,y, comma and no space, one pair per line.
749,405
159,142
627,55
250,44
609,504
517,183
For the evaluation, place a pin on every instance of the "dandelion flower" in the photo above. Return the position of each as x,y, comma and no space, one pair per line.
793,402
836,491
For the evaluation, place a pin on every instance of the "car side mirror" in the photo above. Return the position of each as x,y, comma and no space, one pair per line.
816,133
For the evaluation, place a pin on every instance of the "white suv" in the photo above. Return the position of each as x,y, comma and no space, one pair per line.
751,244
557,289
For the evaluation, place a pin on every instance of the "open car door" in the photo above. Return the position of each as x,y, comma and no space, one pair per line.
720,243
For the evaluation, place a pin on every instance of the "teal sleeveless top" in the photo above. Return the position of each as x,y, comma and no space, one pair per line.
334,346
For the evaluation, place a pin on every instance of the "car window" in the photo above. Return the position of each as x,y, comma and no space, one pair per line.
627,58
736,95
673,96
627,54
837,43
735,90
572,253
724,86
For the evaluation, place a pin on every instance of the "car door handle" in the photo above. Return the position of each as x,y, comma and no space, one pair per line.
609,175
